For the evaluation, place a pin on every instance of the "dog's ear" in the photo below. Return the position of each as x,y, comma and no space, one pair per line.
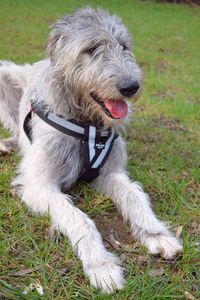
58,35
63,29
51,44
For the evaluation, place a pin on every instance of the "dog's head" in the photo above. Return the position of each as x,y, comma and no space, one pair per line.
91,50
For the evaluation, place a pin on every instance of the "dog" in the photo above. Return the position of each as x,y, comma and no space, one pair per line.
65,112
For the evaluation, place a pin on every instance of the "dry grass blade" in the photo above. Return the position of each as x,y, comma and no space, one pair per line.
189,296
26,271
156,272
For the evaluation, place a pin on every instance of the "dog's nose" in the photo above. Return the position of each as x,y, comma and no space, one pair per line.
128,87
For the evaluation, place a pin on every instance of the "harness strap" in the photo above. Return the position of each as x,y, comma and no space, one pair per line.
97,142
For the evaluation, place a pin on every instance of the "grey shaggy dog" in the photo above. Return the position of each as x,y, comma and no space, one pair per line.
88,59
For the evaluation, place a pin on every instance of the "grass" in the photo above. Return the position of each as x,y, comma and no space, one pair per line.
163,148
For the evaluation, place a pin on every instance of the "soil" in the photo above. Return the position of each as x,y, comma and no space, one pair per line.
112,224
172,124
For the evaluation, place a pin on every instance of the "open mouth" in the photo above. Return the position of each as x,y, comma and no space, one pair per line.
115,109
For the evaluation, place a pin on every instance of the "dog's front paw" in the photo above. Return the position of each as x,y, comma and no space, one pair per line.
166,246
107,276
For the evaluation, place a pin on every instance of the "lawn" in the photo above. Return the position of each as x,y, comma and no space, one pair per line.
163,148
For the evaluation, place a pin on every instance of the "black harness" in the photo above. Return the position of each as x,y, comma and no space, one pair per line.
97,142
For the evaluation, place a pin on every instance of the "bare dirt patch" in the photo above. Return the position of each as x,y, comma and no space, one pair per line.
113,225
162,65
162,94
172,124
194,228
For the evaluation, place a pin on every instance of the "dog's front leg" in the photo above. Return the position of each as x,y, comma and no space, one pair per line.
135,207
102,267
41,192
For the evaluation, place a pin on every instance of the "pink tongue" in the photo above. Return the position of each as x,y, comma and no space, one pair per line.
117,108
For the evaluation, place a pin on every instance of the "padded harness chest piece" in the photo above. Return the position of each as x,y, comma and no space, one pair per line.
97,142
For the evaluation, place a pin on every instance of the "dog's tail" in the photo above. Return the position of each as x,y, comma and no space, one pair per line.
13,80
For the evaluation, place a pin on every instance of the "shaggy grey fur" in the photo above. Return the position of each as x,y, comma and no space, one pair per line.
88,52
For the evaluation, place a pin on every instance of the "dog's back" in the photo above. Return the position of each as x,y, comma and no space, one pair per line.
13,79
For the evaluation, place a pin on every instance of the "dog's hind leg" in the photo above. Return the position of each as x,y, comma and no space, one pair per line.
12,83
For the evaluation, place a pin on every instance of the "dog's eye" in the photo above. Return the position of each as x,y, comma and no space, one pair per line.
124,47
91,51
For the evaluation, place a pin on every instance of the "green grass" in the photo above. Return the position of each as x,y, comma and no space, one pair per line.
163,148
